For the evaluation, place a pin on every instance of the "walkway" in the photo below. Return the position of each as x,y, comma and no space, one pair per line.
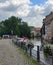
9,54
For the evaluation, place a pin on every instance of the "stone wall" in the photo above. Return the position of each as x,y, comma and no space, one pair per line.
52,28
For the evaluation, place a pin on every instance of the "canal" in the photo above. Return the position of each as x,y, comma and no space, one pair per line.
37,42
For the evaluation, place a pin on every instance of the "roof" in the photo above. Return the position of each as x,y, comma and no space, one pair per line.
38,29
48,17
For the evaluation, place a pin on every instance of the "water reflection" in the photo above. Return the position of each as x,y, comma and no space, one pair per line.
36,42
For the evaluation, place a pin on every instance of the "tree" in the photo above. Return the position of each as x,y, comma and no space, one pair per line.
24,29
15,25
12,25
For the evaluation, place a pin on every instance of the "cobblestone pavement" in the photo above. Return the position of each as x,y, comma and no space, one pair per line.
9,54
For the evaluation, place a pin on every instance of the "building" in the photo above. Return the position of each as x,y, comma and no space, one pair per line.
48,25
35,31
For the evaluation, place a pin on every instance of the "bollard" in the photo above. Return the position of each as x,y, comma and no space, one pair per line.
38,54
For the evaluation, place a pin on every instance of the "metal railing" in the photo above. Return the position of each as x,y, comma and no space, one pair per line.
39,55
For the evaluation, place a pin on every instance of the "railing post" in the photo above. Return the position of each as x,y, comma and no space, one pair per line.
30,51
26,49
38,54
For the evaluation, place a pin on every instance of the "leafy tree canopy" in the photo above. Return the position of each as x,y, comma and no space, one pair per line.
14,25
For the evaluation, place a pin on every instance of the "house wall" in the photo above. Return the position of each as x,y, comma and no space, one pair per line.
52,28
48,31
48,21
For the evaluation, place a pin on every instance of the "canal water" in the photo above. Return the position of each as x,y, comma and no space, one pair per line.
37,42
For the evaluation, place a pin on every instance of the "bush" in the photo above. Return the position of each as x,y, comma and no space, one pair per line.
30,45
47,51
52,40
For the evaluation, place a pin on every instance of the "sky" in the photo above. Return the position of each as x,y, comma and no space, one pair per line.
31,11
38,2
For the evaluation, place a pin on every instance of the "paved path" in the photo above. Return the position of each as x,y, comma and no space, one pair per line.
9,54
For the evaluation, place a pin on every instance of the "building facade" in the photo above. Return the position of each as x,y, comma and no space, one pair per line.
35,31
48,22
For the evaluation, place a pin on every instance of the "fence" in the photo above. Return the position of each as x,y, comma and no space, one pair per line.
36,54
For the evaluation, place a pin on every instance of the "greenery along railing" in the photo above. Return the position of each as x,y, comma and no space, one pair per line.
52,40
27,47
47,51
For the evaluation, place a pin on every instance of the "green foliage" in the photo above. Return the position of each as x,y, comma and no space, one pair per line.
47,51
28,60
52,40
30,45
24,29
16,25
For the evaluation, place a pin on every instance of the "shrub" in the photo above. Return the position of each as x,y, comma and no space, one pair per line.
30,45
52,40
47,51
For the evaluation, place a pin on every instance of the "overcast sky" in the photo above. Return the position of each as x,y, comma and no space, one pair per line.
31,11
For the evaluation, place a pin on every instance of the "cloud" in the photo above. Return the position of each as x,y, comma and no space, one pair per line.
48,7
4,4
33,21
23,10
19,2
33,15
10,8
18,8
38,13
5,15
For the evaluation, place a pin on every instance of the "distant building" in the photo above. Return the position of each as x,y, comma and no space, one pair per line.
48,27
32,31
35,31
